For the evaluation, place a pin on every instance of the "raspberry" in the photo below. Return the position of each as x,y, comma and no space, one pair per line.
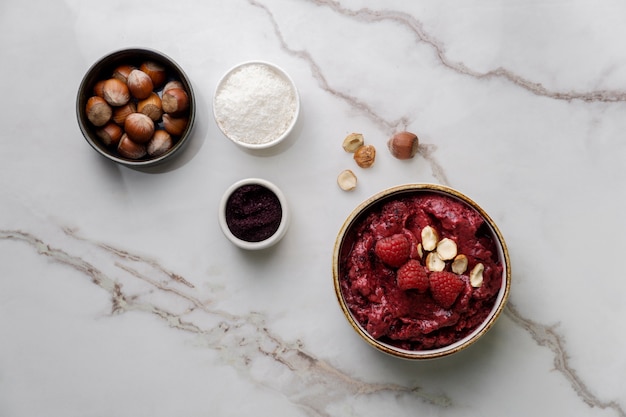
412,276
393,250
445,287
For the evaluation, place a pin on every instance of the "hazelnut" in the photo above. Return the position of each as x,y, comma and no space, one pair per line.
121,113
115,92
175,125
459,264
110,134
122,72
160,143
98,111
365,156
403,145
151,107
476,275
155,71
139,84
129,149
139,127
98,88
175,101
173,84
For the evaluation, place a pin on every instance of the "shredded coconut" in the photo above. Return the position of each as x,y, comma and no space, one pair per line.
255,104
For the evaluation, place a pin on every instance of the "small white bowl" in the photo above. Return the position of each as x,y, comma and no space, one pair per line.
244,105
254,245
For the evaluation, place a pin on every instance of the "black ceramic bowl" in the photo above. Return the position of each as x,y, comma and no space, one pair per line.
103,69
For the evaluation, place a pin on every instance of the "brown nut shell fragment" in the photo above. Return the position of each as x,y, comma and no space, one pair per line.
347,180
365,156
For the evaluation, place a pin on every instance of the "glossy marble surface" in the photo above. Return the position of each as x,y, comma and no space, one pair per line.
120,296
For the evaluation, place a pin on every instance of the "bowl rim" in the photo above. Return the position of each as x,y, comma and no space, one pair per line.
82,121
296,116
459,345
282,227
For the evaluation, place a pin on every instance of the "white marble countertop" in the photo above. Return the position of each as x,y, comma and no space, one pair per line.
119,295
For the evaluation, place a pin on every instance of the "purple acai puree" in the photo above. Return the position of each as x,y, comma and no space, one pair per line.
410,319
253,213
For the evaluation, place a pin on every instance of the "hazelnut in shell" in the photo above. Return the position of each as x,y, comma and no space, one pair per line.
175,125
129,149
139,127
121,113
110,134
98,88
155,71
139,84
115,92
173,84
175,101
160,143
151,107
403,145
98,111
122,72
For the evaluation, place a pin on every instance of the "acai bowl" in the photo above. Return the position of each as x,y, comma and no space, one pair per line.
420,271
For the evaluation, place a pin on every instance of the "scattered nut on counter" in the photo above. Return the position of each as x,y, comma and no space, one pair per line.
347,180
365,155
403,145
352,142
138,111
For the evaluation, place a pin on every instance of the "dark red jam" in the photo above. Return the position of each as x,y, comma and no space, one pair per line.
253,213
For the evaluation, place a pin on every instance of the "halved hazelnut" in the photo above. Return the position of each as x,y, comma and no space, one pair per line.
352,142
430,238
459,264
476,275
446,249
347,180
434,262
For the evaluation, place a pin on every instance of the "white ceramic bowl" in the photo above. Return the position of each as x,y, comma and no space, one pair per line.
256,104
345,243
269,241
